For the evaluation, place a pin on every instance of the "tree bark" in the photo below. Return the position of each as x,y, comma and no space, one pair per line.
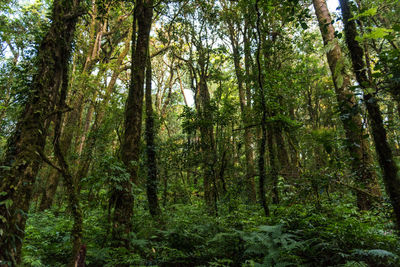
357,145
208,148
50,191
282,153
27,142
386,160
261,156
244,109
133,122
64,169
273,168
72,119
151,184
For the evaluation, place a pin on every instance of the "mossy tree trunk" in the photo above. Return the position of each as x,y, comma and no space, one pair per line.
385,157
245,112
357,145
263,140
130,150
25,146
151,181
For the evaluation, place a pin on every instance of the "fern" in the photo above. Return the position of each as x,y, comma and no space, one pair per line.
375,253
271,243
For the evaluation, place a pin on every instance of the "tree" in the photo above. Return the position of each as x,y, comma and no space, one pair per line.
386,160
133,120
151,182
357,144
234,31
25,146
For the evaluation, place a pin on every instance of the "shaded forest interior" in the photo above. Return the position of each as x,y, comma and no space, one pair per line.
199,133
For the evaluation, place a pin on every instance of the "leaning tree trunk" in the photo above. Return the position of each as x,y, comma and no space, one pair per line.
64,169
386,160
73,117
133,122
357,145
26,144
88,146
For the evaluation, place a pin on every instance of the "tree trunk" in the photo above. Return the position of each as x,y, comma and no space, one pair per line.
50,191
386,160
151,184
261,156
89,144
72,119
207,140
283,156
273,169
133,122
27,142
357,145
244,108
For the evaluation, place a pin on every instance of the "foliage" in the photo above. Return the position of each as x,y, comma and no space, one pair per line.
205,79
301,235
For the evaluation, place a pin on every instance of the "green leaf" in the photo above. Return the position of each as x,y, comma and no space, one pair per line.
375,33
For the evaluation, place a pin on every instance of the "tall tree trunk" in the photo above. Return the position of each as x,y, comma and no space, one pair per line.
27,143
208,148
72,119
356,144
386,160
244,109
133,122
64,169
261,156
89,144
151,184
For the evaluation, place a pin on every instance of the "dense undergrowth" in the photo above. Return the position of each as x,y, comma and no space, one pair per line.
331,233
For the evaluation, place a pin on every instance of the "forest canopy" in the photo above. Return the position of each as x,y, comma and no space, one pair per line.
199,133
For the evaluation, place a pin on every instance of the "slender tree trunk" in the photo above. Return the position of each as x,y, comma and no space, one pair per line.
50,191
261,156
151,184
244,108
273,168
89,144
386,160
27,142
356,143
64,169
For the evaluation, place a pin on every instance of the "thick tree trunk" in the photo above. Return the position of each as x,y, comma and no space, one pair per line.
207,141
386,160
133,122
356,143
151,184
72,119
283,156
27,143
